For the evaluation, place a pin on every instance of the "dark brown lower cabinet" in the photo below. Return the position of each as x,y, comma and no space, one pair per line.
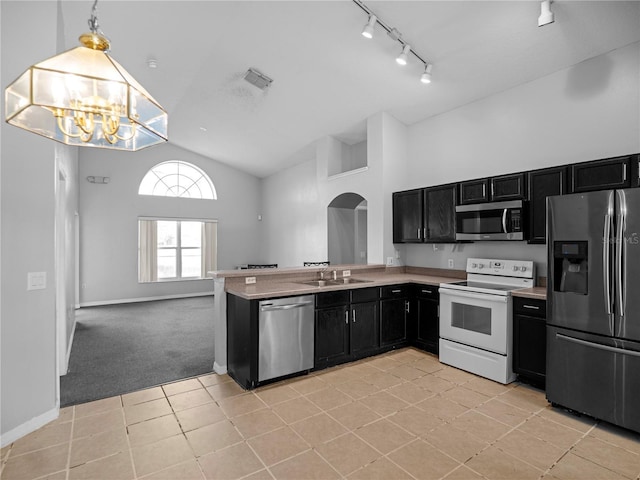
424,330
530,340
393,315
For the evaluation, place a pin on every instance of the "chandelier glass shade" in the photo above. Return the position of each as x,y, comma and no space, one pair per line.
84,97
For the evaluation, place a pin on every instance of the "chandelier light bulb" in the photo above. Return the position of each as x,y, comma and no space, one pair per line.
402,58
367,31
426,76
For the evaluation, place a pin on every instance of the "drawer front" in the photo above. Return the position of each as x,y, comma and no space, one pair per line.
329,299
361,295
427,291
394,291
530,306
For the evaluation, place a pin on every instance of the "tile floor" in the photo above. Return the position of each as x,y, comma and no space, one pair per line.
395,416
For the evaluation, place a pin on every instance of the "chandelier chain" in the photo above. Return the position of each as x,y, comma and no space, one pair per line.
93,21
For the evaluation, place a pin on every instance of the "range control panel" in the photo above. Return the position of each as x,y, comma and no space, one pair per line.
503,268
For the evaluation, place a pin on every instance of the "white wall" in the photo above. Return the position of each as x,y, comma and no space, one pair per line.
295,200
586,112
109,221
28,177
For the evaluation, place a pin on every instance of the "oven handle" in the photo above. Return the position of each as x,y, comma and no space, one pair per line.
472,295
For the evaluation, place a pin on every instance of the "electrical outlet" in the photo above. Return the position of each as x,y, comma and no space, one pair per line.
389,261
450,263
346,273
249,280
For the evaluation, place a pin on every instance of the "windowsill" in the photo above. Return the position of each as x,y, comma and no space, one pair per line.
170,280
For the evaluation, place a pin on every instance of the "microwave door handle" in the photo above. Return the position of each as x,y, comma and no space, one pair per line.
504,221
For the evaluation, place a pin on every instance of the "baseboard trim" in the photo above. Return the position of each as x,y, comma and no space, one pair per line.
219,369
28,427
144,299
69,345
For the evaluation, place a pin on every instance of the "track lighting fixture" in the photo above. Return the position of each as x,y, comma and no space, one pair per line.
402,58
367,31
426,76
546,15
396,36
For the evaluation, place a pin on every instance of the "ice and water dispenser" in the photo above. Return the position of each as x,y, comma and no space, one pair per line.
571,267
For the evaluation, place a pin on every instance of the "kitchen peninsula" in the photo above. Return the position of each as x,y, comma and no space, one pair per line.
404,306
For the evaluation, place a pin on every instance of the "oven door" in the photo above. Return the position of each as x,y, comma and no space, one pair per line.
477,319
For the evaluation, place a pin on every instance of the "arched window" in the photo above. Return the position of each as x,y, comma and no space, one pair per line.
177,179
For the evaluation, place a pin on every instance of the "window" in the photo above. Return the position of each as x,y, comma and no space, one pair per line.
170,249
177,179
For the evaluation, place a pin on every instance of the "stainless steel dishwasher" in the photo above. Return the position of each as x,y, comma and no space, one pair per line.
285,336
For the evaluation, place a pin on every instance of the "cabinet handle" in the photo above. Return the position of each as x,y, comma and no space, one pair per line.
424,233
492,189
418,234
354,315
484,190
406,306
624,172
532,307
346,317
426,291
396,291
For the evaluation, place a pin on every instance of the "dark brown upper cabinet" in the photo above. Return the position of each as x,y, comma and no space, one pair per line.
618,172
542,184
509,187
408,223
440,214
474,191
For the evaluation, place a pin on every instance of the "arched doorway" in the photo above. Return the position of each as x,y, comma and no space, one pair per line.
347,229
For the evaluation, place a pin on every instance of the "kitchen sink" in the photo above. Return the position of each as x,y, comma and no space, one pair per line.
332,283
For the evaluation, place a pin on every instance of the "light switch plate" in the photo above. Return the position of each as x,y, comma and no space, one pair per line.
36,280
389,261
346,273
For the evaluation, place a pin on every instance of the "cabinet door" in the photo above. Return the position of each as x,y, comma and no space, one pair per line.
332,335
428,324
407,216
440,213
364,328
474,191
393,324
530,347
601,174
542,184
509,187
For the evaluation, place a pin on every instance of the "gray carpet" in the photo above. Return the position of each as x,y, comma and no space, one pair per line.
122,348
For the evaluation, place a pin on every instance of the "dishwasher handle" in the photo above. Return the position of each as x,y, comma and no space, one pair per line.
269,307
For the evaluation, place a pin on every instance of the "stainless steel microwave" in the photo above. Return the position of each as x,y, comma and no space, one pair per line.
491,221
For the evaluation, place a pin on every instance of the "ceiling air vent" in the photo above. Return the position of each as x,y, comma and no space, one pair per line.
259,79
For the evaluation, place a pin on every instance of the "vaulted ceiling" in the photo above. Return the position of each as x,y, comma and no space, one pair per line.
327,78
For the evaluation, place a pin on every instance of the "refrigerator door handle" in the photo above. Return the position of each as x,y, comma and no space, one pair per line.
621,251
606,267
504,221
599,346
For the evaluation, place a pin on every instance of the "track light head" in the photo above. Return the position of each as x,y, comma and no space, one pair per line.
426,76
402,58
546,15
367,31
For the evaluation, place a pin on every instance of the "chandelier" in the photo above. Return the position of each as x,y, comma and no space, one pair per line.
84,97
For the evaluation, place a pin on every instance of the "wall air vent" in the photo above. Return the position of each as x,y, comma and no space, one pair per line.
257,78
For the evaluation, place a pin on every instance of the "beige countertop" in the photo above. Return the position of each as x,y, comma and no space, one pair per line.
284,282
289,283
539,293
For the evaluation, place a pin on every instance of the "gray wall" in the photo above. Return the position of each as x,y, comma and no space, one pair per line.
109,221
585,112
27,202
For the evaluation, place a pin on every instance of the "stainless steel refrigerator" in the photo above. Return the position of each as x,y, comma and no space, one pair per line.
593,304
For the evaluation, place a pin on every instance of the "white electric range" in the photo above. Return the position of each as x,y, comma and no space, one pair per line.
476,317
